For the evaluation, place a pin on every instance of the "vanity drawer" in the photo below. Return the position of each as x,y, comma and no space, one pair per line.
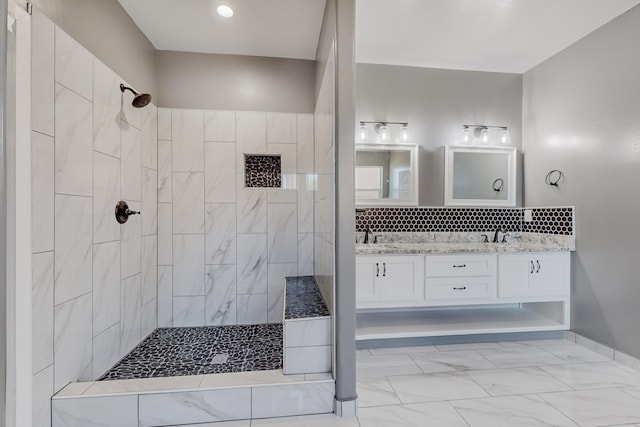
460,266
460,287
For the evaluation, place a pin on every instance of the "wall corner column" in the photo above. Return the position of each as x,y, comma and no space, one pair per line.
344,210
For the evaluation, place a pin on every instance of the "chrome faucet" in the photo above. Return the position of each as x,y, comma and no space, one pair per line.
496,236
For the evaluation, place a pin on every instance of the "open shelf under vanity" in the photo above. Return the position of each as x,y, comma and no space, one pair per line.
462,320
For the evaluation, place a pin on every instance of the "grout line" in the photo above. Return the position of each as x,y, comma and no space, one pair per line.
556,408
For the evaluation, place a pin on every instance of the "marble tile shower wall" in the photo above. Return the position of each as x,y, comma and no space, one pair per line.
225,249
94,281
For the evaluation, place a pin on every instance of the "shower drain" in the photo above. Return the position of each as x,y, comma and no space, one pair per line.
219,359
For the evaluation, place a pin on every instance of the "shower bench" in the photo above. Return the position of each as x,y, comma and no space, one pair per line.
306,328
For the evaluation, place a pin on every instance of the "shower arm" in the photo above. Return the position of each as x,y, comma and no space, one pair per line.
123,88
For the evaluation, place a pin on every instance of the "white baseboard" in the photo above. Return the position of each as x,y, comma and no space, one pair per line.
604,350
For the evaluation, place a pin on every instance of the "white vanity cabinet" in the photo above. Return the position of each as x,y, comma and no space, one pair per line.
384,281
401,296
534,275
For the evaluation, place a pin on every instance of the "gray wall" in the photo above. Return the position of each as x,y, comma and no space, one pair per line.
105,29
233,82
436,103
581,114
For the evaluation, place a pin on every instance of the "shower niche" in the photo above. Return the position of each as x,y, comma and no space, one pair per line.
263,170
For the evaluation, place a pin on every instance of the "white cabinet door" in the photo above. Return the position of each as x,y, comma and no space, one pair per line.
513,275
533,275
365,279
383,281
550,274
398,279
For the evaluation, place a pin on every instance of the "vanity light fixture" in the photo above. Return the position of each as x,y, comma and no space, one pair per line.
483,134
383,131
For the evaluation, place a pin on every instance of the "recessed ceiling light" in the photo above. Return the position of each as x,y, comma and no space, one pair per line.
225,11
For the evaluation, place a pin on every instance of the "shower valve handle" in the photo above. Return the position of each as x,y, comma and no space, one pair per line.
123,212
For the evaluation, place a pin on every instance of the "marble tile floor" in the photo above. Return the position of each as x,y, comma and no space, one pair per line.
169,352
510,384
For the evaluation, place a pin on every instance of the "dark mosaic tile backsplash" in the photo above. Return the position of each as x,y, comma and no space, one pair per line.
264,171
545,220
550,220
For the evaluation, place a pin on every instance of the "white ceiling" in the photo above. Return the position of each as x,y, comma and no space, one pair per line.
483,35
276,28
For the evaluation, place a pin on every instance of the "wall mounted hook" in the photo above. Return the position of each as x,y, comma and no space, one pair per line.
553,177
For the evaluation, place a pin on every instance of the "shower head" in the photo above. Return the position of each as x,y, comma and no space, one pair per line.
140,99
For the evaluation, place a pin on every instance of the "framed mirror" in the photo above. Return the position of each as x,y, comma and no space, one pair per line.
480,176
386,175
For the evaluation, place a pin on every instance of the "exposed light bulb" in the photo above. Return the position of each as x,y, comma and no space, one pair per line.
465,134
484,135
225,11
405,132
384,131
363,131
504,136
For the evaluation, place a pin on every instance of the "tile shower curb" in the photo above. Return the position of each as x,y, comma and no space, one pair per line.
142,386
277,396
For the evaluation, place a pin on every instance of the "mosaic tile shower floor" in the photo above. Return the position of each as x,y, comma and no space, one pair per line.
168,352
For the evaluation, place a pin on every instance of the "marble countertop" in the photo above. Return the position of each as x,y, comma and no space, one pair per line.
412,244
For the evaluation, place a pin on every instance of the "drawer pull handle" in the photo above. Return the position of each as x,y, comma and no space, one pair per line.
532,267
538,263
460,266
462,288
384,269
377,270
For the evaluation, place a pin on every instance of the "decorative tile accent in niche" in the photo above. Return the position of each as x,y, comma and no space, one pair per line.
263,170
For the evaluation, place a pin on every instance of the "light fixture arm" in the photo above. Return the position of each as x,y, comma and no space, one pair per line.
362,122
